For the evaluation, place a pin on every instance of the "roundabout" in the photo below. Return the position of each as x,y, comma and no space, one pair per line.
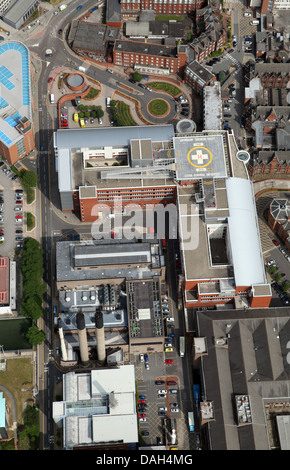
158,107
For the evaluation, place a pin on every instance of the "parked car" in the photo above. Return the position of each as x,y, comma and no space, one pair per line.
145,433
159,382
275,242
172,391
161,391
109,70
132,81
168,361
174,410
142,420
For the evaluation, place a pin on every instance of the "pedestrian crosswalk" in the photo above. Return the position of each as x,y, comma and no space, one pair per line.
235,61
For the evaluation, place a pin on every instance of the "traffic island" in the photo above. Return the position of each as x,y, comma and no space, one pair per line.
158,108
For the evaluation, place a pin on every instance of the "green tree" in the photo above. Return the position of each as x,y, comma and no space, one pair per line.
286,286
31,308
272,270
99,112
277,277
35,336
87,114
137,76
29,178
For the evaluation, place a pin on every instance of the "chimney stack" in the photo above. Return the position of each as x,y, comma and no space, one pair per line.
100,337
82,334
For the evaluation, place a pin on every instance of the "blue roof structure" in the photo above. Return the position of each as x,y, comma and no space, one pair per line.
15,101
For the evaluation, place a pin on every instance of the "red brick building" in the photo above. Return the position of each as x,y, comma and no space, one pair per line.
169,58
269,162
130,8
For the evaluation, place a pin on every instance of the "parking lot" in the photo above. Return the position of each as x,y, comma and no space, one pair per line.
11,211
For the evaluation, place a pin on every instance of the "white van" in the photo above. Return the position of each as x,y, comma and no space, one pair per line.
108,102
52,98
169,319
255,22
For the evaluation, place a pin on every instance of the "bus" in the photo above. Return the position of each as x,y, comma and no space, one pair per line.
196,393
181,346
191,421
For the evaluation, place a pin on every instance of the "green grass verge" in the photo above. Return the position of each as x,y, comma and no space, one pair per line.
167,87
123,115
30,195
30,221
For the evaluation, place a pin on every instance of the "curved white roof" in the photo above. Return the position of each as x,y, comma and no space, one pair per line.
244,233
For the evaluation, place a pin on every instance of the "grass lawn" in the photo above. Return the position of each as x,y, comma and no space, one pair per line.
18,375
167,87
158,107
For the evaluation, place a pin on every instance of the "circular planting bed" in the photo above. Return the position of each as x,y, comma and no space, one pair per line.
158,107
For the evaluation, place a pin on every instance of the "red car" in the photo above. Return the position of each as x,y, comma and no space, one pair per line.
275,242
50,79
18,217
64,121
64,125
142,401
19,202
141,415
168,361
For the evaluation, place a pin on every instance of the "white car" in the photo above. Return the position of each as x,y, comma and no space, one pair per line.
109,70
18,209
247,14
162,391
174,410
162,408
142,420
141,357
1,239
234,37
100,121
270,262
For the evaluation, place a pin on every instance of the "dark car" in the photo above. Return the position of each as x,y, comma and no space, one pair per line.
227,115
145,433
19,231
1,163
59,31
159,382
131,80
141,85
162,413
230,51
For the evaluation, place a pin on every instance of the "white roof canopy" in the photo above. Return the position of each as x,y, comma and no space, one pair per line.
244,234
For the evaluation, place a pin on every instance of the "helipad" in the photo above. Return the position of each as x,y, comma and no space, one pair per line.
199,157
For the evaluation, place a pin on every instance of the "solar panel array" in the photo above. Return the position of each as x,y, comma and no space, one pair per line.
25,70
5,80
5,74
